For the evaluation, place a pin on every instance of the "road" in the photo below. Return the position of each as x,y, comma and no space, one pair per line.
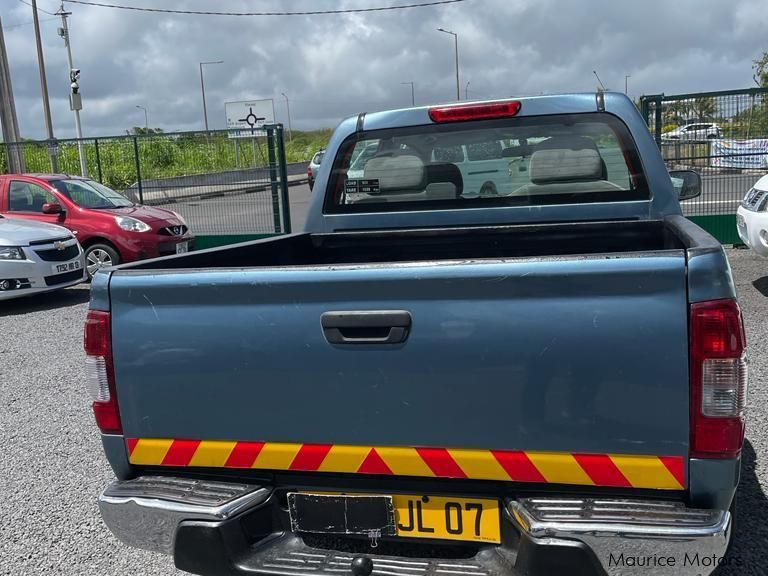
721,194
252,213
241,214
53,466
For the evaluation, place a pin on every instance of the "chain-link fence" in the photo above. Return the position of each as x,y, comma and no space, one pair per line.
722,135
220,185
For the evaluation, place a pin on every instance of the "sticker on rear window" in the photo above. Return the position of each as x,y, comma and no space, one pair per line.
355,186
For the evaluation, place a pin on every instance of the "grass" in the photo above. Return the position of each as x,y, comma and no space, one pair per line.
167,155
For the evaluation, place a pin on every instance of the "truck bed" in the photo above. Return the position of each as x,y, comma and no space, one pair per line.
375,247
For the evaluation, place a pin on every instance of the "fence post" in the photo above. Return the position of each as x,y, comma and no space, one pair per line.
658,125
645,110
273,178
138,168
98,160
284,180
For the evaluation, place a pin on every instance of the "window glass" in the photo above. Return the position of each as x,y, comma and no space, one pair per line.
533,161
90,194
27,197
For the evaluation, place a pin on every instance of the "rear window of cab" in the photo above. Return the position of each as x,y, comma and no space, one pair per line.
537,160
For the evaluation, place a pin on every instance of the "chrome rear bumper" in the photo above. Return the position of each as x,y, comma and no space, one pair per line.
629,537
624,537
145,512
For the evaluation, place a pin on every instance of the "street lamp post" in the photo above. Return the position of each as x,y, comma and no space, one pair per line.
288,110
202,87
626,83
413,92
456,48
146,117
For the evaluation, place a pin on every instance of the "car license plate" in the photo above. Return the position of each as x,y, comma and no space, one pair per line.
419,516
182,247
66,267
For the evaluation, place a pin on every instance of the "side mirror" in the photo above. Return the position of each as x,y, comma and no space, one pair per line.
52,208
687,184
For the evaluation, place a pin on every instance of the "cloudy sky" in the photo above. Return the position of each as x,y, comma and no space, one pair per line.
335,65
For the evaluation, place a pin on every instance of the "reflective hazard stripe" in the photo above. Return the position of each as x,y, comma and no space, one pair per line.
616,470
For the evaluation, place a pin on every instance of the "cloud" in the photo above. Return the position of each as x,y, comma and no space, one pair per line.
333,66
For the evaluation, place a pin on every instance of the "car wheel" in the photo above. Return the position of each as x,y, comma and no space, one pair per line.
488,189
100,256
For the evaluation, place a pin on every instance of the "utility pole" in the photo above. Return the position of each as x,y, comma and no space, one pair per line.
53,148
626,83
8,114
413,92
288,108
466,91
75,98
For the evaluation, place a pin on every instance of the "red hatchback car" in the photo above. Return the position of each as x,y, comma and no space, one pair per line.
110,228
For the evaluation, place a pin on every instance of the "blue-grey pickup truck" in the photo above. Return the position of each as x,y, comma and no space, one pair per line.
497,349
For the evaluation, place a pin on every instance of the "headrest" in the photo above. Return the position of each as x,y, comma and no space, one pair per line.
517,151
446,173
396,172
570,142
566,159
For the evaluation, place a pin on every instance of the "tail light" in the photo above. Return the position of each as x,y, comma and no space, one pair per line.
100,371
309,171
475,111
718,379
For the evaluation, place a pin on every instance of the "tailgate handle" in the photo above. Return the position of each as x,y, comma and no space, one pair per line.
366,327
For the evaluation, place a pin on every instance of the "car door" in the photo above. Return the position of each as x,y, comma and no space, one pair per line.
26,199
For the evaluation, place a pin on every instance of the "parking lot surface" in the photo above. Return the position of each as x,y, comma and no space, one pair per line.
52,467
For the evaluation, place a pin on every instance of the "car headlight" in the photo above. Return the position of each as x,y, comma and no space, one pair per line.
180,217
131,224
11,253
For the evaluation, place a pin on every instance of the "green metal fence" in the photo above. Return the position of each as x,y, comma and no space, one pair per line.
724,136
228,189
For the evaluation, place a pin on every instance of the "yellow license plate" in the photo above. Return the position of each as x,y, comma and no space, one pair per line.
443,518
447,518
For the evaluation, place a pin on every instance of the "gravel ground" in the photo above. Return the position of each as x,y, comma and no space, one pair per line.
52,467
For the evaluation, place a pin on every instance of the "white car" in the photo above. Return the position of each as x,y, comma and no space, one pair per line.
37,257
752,218
699,131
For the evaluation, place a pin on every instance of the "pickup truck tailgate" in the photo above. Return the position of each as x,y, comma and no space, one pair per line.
560,355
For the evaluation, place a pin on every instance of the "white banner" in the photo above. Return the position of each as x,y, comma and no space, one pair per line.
749,154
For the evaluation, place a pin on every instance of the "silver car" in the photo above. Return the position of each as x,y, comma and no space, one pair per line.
314,166
37,257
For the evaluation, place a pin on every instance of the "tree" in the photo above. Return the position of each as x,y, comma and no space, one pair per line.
704,108
141,131
677,112
760,66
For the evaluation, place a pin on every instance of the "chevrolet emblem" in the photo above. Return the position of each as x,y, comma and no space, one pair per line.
59,245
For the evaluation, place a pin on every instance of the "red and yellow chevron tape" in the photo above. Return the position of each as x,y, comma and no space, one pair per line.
617,470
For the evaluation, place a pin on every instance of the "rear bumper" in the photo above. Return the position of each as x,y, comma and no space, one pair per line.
239,529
